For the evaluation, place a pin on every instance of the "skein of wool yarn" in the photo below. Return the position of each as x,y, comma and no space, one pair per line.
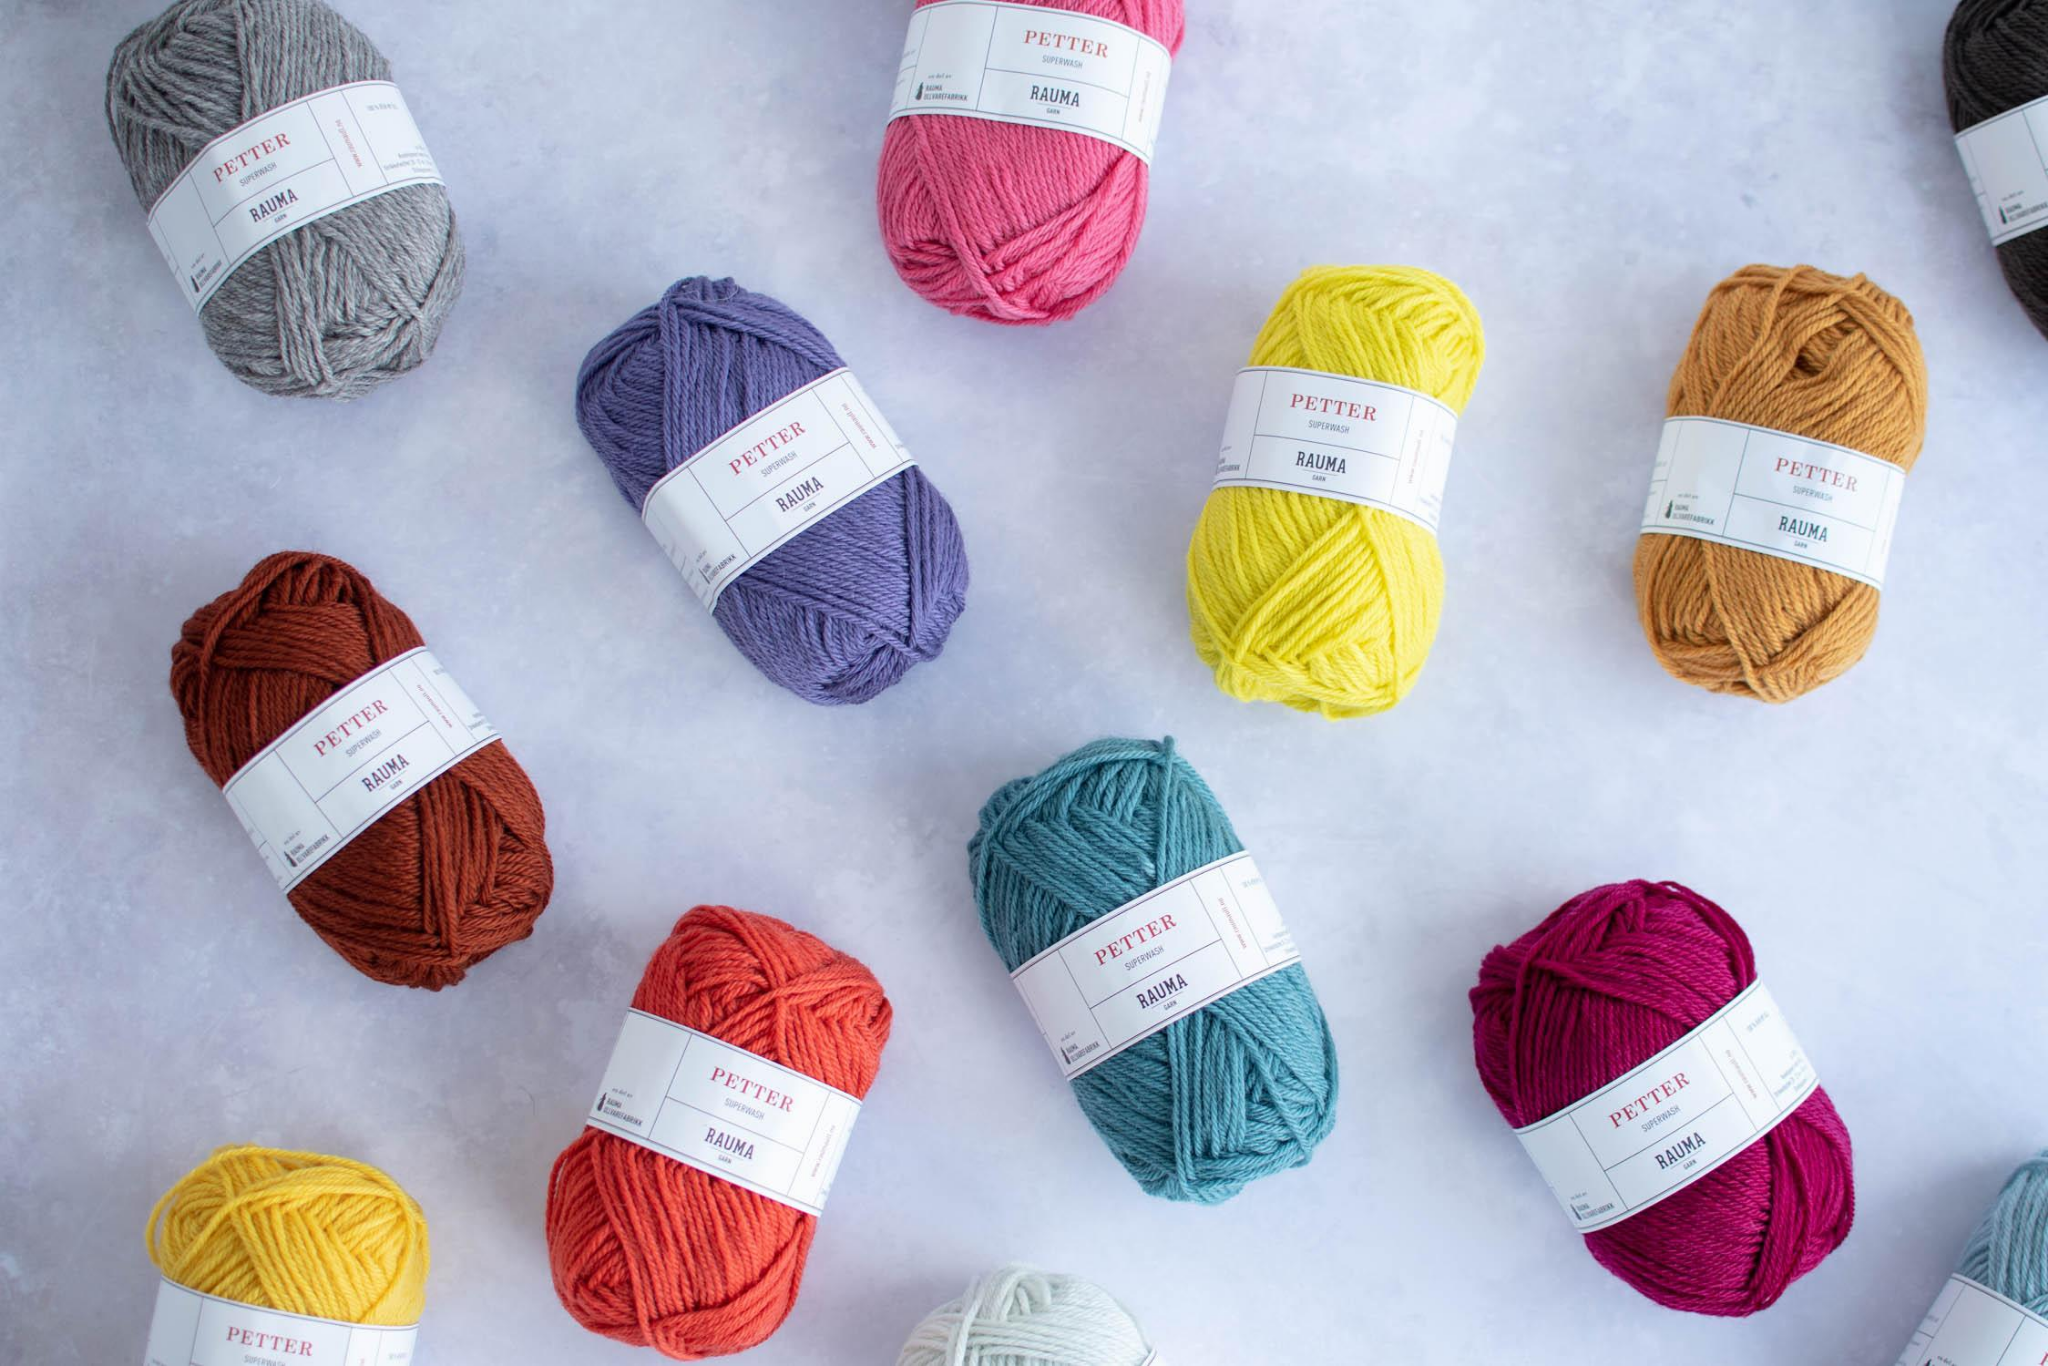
343,303
1796,350
299,1232
1016,224
2009,1250
1324,605
450,875
1606,982
657,1254
841,611
1020,1316
1244,1087
1994,58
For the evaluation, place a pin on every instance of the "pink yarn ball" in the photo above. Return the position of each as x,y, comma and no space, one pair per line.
1012,223
1612,978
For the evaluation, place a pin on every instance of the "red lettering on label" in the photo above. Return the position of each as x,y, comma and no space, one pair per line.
1816,474
1066,42
1117,948
1334,407
334,739
753,1090
241,161
756,454
1649,1100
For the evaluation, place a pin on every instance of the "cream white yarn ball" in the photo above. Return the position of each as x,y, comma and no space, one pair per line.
1020,1316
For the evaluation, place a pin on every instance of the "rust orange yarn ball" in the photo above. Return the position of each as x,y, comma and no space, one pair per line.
441,881
1797,350
656,1254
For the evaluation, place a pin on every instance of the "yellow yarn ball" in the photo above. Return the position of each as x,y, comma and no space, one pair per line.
321,1236
1325,605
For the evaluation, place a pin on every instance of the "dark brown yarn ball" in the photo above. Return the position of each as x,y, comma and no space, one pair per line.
1995,58
441,881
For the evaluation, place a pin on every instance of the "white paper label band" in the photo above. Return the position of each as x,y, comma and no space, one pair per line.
1973,1325
2007,160
727,1112
283,169
1777,494
733,503
1335,436
1127,975
351,759
1663,1125
191,1329
1036,65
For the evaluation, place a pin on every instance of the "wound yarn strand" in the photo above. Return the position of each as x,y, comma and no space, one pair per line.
844,609
1020,1316
1239,1090
340,305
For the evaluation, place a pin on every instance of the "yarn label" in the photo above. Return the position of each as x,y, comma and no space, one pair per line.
1127,975
727,1112
1035,65
1661,1126
1777,494
191,1329
1334,436
351,759
1973,1325
2007,160
730,505
283,169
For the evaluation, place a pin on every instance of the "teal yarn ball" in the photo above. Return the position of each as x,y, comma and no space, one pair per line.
1244,1087
2009,1251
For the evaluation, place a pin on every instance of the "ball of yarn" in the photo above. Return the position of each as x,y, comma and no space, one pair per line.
439,882
1020,1316
2009,1251
1995,58
837,613
1610,979
1817,355
1240,1089
1009,222
313,1235
340,305
1325,605
656,1254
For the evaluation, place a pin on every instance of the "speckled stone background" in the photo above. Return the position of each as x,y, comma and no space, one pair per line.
1587,174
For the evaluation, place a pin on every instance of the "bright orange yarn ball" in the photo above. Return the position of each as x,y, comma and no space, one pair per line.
657,1254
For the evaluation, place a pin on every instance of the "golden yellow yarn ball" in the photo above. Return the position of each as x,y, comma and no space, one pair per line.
313,1235
1324,605
1798,350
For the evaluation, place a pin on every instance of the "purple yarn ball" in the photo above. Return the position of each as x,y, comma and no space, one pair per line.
838,613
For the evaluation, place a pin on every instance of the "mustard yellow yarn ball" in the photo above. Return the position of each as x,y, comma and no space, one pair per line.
307,1234
1324,605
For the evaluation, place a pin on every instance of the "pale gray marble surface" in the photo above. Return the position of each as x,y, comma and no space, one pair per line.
1587,174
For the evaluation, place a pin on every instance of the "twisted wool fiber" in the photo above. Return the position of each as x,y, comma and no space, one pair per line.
1010,223
338,306
1324,605
838,613
1817,355
1995,58
1019,1316
1610,979
441,881
321,1236
1244,1087
2009,1250
656,1254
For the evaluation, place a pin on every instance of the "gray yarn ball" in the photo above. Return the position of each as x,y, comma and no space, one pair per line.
334,308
